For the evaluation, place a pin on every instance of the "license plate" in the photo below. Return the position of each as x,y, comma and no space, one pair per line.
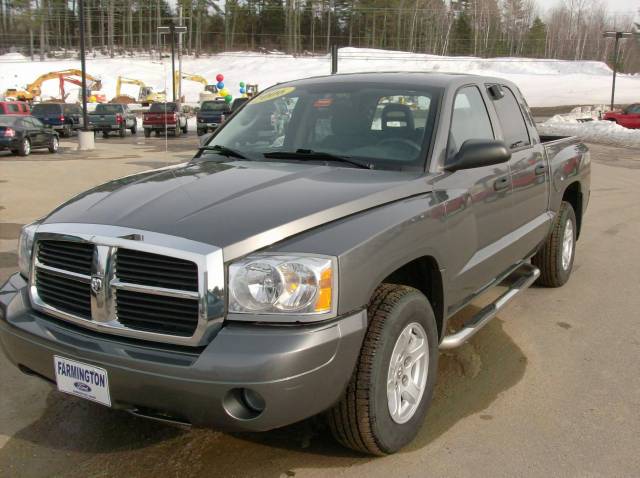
82,380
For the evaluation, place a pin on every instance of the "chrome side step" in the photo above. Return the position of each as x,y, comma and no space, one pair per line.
529,274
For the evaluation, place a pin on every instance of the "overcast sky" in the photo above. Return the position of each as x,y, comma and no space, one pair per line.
624,6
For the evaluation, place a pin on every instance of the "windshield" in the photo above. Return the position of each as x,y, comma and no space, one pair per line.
50,109
214,106
162,107
108,109
389,127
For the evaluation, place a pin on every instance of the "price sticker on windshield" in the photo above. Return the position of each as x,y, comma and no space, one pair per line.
272,95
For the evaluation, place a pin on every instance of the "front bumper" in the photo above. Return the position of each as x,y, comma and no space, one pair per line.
299,371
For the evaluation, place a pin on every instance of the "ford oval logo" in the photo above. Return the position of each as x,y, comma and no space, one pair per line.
83,387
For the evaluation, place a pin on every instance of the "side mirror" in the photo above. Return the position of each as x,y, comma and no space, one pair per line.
204,138
476,153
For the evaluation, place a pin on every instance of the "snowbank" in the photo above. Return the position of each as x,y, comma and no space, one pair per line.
543,82
606,132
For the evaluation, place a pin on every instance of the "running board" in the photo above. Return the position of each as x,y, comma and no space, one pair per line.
529,275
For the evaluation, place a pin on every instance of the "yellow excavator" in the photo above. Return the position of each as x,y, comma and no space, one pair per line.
210,91
33,90
146,95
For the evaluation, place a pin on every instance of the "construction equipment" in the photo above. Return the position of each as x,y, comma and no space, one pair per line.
251,90
146,95
33,90
210,91
93,93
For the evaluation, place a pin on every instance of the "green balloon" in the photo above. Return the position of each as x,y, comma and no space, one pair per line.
242,84
228,98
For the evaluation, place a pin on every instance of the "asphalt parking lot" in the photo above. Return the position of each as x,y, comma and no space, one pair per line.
549,388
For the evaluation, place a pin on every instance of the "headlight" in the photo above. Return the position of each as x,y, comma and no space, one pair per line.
25,248
282,284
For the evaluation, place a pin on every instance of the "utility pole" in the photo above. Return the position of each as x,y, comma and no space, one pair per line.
180,52
172,30
617,36
83,67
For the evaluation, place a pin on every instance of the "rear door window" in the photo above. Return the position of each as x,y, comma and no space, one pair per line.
13,108
46,109
514,128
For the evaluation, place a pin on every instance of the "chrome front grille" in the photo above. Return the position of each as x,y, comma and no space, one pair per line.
130,283
138,267
66,294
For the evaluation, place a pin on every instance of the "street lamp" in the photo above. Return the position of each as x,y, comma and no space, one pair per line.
172,30
617,36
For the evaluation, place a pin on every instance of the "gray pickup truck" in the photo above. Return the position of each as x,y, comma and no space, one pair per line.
305,261
113,118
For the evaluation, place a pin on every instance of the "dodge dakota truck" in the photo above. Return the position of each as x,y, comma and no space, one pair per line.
113,118
303,268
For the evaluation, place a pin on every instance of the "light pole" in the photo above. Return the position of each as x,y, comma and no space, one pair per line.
172,30
617,36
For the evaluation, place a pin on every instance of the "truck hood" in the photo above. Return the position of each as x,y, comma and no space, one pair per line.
240,206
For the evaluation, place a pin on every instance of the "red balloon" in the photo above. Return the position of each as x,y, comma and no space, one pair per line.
220,77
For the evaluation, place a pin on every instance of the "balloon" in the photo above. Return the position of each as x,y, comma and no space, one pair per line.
228,98
242,90
219,77
242,84
220,85
224,92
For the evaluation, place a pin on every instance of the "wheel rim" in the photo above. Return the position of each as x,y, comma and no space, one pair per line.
407,375
54,144
567,245
27,146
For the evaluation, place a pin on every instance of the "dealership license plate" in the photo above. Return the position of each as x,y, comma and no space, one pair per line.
82,380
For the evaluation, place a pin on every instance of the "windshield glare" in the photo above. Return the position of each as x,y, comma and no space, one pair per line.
387,126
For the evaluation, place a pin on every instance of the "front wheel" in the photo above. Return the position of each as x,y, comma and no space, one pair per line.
555,258
387,398
25,147
147,132
54,144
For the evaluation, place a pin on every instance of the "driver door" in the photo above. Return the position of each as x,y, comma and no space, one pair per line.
478,204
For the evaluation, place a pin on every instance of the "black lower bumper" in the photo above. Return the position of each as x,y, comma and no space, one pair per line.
297,371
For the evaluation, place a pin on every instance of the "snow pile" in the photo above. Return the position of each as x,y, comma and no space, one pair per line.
543,82
606,132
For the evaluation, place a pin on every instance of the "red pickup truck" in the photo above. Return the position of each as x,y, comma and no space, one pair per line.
628,117
163,117
14,108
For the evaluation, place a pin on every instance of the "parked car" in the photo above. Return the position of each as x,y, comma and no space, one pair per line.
303,268
14,108
211,115
22,134
163,117
64,118
238,102
628,117
113,118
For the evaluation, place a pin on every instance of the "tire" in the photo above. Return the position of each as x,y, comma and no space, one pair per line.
185,130
66,131
363,420
157,132
177,131
134,128
147,133
105,134
25,147
201,132
123,132
54,144
553,259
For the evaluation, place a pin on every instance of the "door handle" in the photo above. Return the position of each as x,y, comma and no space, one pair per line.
540,169
501,183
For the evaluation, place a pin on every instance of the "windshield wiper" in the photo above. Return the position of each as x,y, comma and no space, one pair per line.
223,151
311,155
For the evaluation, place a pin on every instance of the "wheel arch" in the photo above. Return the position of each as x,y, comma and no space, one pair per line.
424,274
573,195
